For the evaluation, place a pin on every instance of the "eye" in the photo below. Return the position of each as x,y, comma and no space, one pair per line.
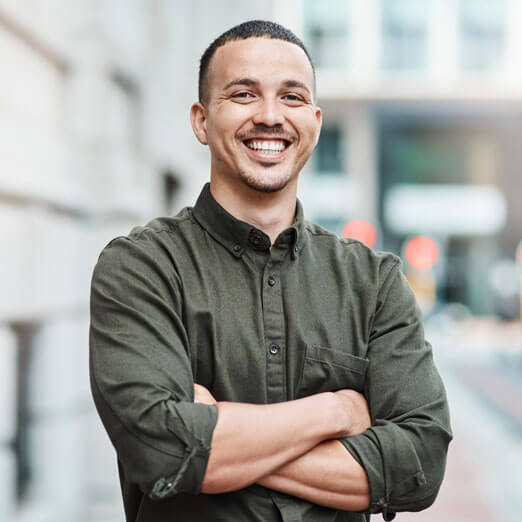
242,96
293,99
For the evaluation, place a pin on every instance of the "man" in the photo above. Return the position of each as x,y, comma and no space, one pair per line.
249,365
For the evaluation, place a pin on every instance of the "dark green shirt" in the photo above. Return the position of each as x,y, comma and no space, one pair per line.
201,297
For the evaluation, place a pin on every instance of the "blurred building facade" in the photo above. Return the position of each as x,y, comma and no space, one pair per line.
422,111
95,138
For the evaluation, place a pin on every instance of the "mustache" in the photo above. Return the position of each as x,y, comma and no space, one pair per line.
276,131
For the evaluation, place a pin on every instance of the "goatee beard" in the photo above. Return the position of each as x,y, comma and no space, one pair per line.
263,187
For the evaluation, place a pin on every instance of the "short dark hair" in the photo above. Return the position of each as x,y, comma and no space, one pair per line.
250,29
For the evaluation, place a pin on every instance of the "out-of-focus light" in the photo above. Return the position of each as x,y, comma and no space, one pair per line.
361,230
421,252
503,278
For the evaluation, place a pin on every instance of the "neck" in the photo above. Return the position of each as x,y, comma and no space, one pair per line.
271,212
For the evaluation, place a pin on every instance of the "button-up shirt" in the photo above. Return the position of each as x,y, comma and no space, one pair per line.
205,298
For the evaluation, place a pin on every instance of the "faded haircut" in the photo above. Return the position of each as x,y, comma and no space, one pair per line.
250,29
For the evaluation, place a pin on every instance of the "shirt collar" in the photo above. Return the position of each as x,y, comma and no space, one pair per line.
237,235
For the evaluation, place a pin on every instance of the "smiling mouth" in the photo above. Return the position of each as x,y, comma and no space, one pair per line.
267,147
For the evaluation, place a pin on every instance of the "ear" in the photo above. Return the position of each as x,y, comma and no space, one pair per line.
319,119
198,118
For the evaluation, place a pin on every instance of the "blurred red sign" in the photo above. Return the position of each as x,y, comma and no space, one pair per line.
362,230
421,252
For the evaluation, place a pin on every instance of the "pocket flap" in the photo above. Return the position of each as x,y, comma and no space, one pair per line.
328,370
332,357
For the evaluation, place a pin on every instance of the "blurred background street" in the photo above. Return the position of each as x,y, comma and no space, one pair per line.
419,155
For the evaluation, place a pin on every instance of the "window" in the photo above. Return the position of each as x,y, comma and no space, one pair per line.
449,156
329,152
404,34
326,28
24,334
333,224
171,184
482,33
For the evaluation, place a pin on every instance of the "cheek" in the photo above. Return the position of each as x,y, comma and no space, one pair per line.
312,135
231,118
308,127
224,128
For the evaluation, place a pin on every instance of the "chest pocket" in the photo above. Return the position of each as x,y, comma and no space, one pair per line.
327,370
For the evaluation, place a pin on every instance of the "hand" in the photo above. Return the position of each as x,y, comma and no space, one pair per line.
202,395
355,405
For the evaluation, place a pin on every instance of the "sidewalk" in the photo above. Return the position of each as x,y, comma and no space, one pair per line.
482,481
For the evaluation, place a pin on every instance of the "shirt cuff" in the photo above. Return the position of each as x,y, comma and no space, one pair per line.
391,464
193,424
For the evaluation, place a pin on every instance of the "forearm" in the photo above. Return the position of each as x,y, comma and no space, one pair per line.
251,441
327,475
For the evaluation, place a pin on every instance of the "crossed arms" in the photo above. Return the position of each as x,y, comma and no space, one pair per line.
288,447
170,440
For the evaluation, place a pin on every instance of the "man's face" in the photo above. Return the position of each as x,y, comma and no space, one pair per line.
259,119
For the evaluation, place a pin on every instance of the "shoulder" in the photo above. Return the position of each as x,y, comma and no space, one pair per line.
160,227
157,232
151,246
353,254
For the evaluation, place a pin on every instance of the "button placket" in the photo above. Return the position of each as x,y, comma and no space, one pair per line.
274,332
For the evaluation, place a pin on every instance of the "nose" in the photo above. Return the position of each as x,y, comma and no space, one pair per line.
269,112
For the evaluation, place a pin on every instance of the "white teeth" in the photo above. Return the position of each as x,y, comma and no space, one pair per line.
266,145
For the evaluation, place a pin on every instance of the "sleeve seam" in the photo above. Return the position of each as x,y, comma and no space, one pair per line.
395,264
387,275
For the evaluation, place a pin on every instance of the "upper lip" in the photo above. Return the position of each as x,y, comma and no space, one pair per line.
278,134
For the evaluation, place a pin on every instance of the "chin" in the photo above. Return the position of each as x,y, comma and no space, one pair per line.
264,184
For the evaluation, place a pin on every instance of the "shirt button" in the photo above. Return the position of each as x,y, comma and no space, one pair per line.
271,281
237,248
274,349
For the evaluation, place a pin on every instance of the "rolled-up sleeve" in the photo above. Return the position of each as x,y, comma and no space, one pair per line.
404,451
141,375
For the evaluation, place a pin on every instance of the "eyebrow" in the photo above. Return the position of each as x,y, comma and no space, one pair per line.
242,81
249,82
297,84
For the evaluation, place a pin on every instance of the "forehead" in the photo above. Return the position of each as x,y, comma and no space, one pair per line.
264,59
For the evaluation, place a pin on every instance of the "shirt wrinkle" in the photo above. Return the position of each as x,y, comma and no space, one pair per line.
130,430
